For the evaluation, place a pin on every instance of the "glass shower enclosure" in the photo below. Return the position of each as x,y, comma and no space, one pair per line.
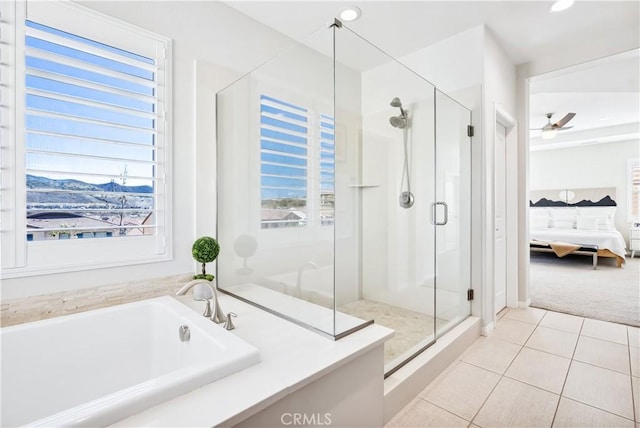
343,182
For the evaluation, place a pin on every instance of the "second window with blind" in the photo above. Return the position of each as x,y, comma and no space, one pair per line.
297,165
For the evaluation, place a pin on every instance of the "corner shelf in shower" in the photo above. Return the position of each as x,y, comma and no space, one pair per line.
363,186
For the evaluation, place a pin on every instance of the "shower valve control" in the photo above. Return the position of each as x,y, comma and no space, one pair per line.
406,199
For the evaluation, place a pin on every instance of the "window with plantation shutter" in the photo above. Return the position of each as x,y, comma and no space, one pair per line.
284,163
633,185
297,165
91,114
90,134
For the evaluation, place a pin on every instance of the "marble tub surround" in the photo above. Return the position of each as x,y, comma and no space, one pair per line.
35,308
299,371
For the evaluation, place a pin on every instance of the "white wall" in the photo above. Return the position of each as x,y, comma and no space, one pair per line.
209,31
598,165
458,66
452,64
397,243
499,92
473,68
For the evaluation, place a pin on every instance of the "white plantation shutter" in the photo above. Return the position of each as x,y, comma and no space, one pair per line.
297,165
327,168
91,135
86,149
634,190
284,163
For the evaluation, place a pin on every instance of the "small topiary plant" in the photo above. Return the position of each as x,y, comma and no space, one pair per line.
205,250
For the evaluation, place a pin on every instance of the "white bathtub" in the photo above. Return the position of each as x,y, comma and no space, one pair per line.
97,367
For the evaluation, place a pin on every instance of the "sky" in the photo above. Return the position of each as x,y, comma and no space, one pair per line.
70,92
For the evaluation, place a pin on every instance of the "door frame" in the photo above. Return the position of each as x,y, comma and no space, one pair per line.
505,119
499,215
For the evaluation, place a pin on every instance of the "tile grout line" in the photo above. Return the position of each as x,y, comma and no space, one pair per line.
606,340
600,367
633,398
568,370
547,352
442,408
598,408
502,376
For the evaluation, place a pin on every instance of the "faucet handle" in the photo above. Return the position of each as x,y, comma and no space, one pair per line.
208,305
228,324
207,308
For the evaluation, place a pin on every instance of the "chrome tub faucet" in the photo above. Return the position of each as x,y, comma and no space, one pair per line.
212,309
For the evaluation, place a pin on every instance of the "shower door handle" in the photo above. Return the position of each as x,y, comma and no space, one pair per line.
434,206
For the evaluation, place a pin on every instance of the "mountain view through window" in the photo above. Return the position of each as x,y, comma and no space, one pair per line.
90,141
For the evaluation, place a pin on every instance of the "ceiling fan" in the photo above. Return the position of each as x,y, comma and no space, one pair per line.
550,129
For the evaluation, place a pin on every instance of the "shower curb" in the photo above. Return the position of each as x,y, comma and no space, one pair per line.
405,384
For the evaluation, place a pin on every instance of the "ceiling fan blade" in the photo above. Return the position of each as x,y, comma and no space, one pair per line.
563,121
563,128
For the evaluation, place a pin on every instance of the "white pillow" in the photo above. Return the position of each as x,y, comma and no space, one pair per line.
561,215
605,223
539,211
587,222
562,211
608,211
563,224
540,222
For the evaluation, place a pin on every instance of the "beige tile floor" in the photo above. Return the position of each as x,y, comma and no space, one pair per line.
537,369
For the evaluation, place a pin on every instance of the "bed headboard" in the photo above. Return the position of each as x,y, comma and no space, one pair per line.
590,197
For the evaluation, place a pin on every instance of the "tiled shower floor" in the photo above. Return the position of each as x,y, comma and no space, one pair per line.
411,327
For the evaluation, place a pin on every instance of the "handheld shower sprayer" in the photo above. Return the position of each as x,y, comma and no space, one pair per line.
402,122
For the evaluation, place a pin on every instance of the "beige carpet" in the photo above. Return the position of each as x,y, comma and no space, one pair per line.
570,285
411,327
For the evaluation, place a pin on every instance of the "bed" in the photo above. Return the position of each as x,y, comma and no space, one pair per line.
584,227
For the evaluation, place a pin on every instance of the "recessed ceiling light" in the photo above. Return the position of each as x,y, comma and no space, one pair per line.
604,118
560,5
350,14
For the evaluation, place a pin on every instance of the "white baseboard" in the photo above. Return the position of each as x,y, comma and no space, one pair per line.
486,330
524,305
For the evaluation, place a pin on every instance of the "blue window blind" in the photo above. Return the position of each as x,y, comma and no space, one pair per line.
91,131
284,163
327,169
297,165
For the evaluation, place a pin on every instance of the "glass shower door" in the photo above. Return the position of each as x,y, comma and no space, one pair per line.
452,212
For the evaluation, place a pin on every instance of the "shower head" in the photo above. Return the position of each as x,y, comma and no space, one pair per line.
398,121
397,103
